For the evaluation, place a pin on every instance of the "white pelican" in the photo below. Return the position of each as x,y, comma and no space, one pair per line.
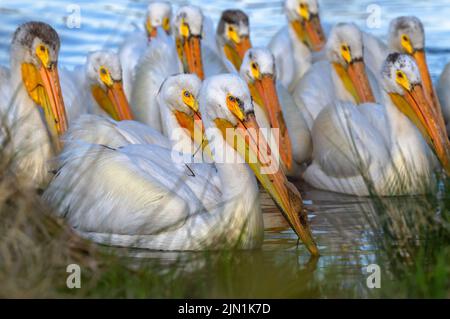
233,37
406,35
177,99
275,108
34,117
292,45
158,17
355,156
136,196
342,77
100,87
160,60
195,55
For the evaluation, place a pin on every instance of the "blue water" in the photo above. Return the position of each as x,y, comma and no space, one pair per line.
104,23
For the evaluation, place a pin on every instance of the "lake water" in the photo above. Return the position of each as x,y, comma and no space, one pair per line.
339,222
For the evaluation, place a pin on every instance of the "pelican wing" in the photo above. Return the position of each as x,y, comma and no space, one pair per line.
159,61
298,130
443,91
292,58
348,150
214,64
130,52
281,47
94,129
375,53
75,93
128,191
315,91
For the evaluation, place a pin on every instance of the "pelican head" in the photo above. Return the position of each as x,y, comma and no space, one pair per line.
226,105
188,26
258,69
179,93
407,35
104,74
158,16
233,35
34,55
345,52
303,17
403,83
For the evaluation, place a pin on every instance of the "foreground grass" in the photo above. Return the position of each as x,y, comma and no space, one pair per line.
35,249
414,241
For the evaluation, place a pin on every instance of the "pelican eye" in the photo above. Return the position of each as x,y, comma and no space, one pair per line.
184,28
234,104
189,100
166,24
43,55
105,76
303,11
402,80
406,44
346,53
233,34
255,70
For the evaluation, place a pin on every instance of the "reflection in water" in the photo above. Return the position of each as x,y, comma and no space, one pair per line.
343,225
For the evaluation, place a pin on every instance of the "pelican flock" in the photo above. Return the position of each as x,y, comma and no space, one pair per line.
165,143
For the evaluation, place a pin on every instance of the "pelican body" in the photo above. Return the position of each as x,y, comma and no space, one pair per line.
138,196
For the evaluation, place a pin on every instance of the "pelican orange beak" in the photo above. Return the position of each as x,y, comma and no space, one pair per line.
113,101
43,86
421,61
235,51
152,31
247,140
193,54
309,31
193,124
355,80
417,108
265,86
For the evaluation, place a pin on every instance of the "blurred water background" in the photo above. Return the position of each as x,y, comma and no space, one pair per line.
340,223
104,23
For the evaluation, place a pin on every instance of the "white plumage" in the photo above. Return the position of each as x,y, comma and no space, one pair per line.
25,132
443,91
137,196
371,148
322,85
296,125
158,21
158,62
